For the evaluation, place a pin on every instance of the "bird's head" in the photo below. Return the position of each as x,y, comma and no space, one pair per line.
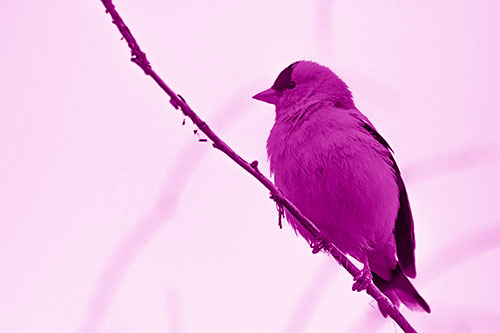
304,83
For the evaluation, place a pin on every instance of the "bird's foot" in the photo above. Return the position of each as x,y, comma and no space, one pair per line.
363,279
317,245
320,243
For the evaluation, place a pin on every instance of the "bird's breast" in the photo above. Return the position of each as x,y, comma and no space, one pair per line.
338,176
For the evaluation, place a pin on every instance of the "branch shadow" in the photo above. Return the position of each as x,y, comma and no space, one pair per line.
144,230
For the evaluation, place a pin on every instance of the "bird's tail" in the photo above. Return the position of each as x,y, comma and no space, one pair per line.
400,290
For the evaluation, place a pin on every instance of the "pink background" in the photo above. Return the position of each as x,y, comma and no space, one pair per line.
115,219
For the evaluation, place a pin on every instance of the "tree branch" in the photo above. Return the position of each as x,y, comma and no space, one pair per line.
178,102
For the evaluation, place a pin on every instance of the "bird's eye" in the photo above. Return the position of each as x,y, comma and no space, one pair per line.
291,85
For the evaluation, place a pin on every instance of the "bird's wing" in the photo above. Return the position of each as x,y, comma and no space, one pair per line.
403,231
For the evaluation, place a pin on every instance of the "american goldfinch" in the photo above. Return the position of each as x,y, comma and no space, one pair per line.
331,162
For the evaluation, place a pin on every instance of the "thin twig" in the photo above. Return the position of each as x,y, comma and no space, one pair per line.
178,102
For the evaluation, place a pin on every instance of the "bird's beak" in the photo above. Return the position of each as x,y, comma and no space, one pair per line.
270,96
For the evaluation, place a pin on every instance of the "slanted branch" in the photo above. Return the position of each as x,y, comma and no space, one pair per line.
319,244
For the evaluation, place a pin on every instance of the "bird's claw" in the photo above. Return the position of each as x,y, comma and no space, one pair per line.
317,246
362,280
320,244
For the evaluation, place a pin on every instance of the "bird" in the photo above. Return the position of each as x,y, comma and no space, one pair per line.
328,159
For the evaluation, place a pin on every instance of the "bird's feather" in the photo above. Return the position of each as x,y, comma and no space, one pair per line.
403,230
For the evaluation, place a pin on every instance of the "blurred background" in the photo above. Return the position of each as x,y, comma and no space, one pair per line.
115,218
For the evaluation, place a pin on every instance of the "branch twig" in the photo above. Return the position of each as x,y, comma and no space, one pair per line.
178,102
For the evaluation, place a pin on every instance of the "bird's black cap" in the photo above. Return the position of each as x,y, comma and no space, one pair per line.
284,79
